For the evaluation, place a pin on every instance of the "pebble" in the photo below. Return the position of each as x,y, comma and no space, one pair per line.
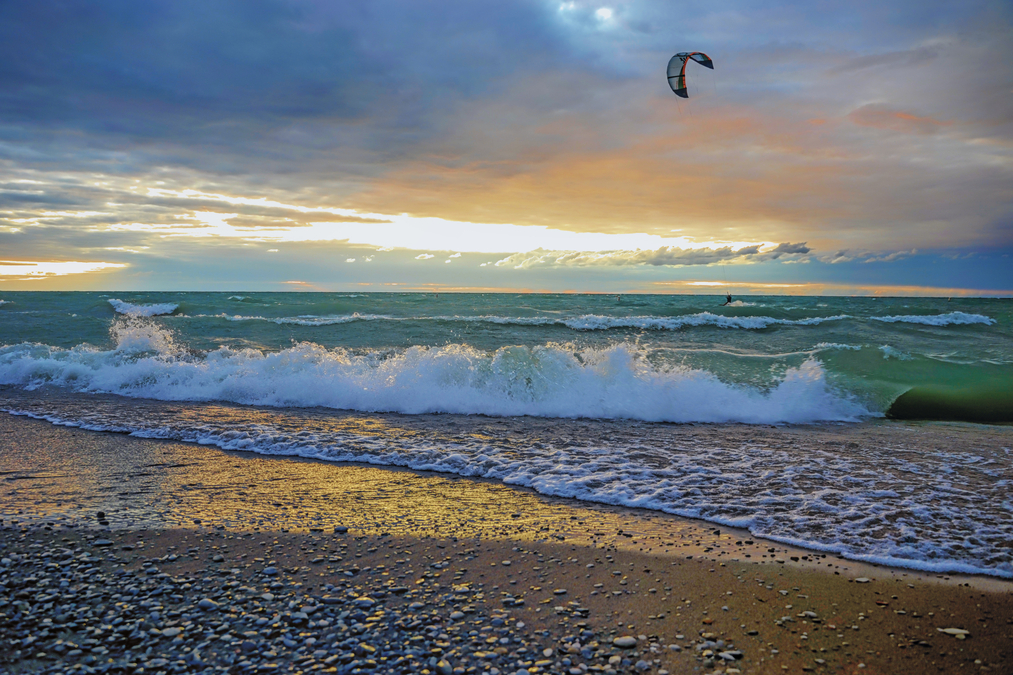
131,615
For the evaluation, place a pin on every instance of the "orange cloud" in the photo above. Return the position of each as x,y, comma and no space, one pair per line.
886,118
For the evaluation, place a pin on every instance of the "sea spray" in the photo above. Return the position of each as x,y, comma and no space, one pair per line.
553,380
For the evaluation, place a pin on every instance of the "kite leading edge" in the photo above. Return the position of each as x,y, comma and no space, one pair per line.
677,70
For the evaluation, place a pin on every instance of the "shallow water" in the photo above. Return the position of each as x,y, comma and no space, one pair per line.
933,497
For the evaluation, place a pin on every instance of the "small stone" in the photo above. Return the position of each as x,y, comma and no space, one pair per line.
559,591
958,633
364,602
270,571
218,558
102,543
444,668
642,665
207,604
457,616
625,641
341,529
862,580
171,632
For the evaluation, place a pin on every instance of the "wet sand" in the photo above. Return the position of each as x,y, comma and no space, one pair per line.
628,572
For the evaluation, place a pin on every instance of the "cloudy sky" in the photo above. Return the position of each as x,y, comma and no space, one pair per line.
862,147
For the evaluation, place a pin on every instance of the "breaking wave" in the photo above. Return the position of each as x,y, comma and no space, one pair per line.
128,309
551,380
952,318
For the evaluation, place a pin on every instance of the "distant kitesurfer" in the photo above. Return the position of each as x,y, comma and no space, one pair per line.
728,299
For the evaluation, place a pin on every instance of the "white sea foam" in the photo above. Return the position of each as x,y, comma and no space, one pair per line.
836,345
551,380
892,499
894,353
586,322
129,309
952,318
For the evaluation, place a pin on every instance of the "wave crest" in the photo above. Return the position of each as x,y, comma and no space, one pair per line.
587,322
952,318
551,380
129,309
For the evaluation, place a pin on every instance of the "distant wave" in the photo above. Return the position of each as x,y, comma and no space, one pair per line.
894,353
550,380
587,322
129,309
836,345
953,318
5,302
311,320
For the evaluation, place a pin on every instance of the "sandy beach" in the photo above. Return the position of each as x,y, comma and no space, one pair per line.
567,579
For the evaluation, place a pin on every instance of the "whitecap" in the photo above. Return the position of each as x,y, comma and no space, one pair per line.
130,309
952,318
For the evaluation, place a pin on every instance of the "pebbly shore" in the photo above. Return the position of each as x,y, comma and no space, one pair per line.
183,601
184,559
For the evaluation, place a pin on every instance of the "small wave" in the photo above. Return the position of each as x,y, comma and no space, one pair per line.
587,322
5,302
310,319
952,318
835,345
129,309
894,353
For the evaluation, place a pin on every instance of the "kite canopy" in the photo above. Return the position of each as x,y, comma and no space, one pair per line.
677,70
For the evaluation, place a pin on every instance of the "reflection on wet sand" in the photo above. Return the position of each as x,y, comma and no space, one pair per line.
63,477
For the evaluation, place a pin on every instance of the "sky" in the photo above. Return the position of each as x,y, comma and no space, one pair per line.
836,148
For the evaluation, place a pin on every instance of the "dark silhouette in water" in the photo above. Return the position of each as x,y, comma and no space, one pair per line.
728,299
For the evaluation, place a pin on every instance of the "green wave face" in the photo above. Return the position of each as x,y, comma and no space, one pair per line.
987,404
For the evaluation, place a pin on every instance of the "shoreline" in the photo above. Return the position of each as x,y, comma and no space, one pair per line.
386,481
206,502
153,490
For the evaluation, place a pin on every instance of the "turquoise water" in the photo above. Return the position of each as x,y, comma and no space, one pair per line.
575,396
653,357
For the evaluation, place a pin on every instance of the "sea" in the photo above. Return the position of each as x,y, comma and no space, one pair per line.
874,428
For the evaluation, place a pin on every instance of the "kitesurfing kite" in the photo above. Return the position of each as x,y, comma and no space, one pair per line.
677,70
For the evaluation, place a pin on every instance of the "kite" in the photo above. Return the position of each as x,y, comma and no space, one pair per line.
677,70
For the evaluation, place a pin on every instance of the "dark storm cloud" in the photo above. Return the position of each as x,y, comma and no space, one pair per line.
196,78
